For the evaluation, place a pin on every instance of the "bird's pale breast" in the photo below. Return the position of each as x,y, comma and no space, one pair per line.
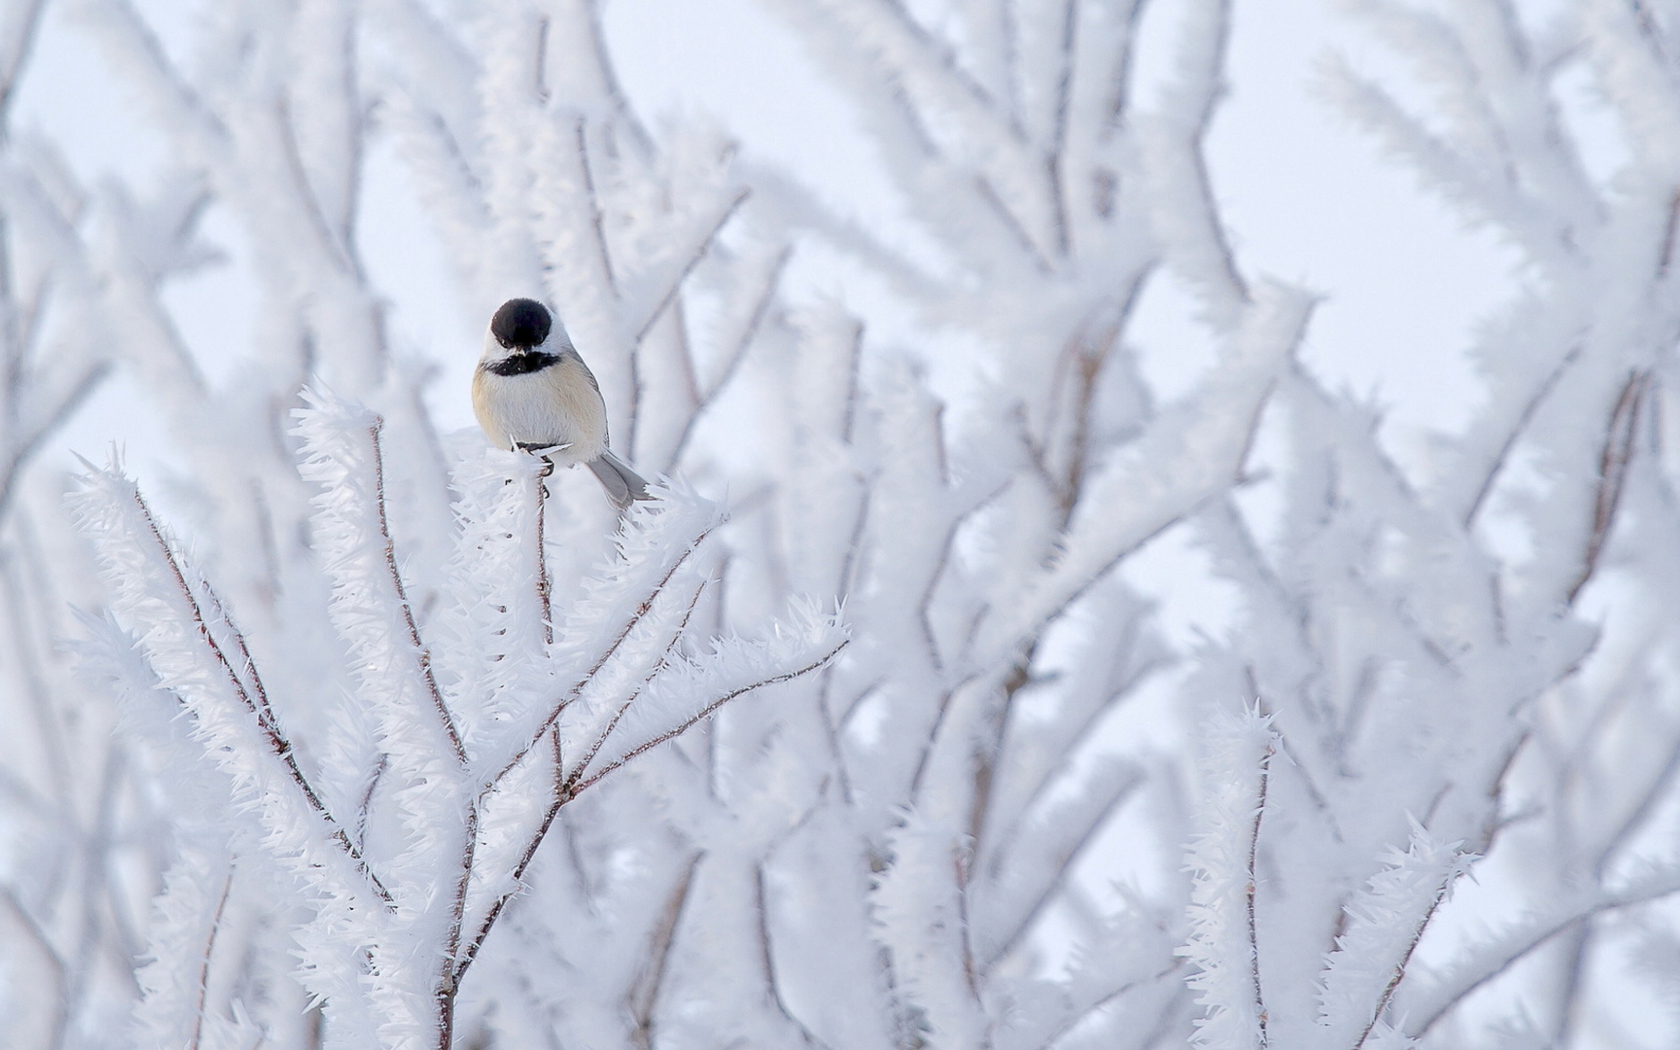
556,405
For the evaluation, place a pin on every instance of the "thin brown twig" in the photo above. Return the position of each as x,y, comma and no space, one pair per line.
1090,361
1613,462
583,681
367,798
600,740
1249,894
705,713
467,956
689,264
755,321
545,587
1666,257
1400,967
566,788
204,968
423,654
645,996
448,977
597,217
267,722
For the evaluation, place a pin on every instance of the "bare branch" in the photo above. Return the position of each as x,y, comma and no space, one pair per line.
204,968
1613,463
25,451
255,700
1249,891
705,713
583,681
761,309
544,586
1515,946
675,282
644,997
597,218
423,654
1502,458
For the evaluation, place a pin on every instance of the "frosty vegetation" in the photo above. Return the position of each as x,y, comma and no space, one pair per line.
394,740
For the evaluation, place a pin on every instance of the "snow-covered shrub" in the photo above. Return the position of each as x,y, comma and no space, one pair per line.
411,827
1459,666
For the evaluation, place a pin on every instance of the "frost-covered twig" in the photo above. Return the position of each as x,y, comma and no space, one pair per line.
1224,944
458,867
127,547
545,589
1386,920
209,955
1612,472
403,603
1493,956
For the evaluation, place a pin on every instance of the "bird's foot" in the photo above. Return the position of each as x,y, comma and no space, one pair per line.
543,452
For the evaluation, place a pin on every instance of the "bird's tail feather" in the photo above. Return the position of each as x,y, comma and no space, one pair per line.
623,485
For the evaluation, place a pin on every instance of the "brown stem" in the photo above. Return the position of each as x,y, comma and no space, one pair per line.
645,996
204,970
1666,258
424,654
664,660
256,703
449,978
1400,967
583,681
567,791
688,266
704,713
545,587
1613,462
1249,890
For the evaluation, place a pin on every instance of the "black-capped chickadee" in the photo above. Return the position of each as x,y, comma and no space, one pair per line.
532,391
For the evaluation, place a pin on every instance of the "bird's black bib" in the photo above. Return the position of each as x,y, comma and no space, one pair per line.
522,364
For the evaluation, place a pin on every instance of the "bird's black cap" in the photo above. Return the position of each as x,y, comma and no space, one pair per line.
521,322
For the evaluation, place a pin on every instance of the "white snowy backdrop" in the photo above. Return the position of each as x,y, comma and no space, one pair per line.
1170,539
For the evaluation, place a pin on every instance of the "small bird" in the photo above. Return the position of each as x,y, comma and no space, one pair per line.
532,391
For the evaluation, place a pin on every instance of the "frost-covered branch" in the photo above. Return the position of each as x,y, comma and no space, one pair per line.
453,855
